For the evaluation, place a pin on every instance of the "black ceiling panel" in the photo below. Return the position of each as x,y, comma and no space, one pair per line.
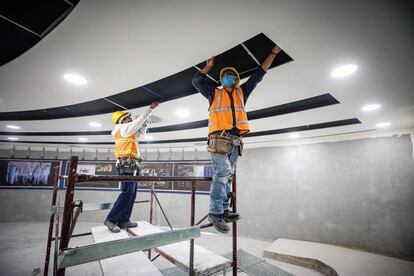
305,104
345,122
242,63
34,15
134,97
260,46
174,86
32,20
169,88
301,105
14,41
82,109
330,124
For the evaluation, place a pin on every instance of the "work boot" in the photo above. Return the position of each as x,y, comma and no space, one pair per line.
231,217
128,224
112,226
218,223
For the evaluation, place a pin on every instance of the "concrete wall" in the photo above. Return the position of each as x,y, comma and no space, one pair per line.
356,193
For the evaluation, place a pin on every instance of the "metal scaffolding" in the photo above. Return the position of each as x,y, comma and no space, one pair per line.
65,256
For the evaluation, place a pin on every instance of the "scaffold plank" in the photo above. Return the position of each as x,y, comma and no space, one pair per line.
98,251
130,264
206,262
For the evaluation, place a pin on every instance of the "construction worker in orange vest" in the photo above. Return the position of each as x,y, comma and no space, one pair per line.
126,132
227,124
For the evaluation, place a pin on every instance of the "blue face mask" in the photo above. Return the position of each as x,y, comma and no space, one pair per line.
228,80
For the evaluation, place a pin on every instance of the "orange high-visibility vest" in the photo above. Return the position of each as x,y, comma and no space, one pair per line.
126,146
221,114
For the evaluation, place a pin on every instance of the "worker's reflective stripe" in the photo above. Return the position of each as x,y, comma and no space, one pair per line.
240,97
123,140
224,109
220,109
219,98
242,122
123,152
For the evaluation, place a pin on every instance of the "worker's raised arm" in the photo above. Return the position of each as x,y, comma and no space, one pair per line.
268,61
208,66
133,127
201,83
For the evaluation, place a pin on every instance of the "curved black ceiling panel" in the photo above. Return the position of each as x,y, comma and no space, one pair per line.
169,88
305,104
25,23
330,124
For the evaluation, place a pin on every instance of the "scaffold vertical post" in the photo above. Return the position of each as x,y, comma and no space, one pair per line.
52,219
68,208
151,215
234,230
193,184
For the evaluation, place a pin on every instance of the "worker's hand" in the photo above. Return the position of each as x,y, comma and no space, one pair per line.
210,62
276,50
154,105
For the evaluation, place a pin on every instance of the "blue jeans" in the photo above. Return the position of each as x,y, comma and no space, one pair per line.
224,165
122,209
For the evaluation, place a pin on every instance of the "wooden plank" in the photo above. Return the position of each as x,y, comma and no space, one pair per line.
130,264
206,262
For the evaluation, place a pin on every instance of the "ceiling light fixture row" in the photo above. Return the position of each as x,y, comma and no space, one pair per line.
349,69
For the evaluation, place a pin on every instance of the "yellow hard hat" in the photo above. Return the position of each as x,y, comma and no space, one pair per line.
230,69
117,115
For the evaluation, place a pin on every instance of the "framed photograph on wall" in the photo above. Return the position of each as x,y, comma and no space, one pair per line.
24,173
192,169
97,168
156,169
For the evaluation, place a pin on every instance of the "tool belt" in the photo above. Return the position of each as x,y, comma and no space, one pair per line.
128,165
220,142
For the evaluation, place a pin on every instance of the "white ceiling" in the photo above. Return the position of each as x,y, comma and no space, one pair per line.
119,45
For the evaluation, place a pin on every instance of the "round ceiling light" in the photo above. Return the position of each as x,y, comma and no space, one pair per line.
294,136
182,113
383,124
371,107
95,124
344,70
76,79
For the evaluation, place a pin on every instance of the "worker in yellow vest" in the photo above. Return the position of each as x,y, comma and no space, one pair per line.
126,132
227,124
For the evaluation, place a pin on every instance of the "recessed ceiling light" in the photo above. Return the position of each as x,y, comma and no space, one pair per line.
344,70
370,107
383,124
83,139
13,138
148,137
76,79
95,124
294,135
182,112
13,127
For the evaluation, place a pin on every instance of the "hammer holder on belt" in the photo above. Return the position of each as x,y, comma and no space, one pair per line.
127,165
